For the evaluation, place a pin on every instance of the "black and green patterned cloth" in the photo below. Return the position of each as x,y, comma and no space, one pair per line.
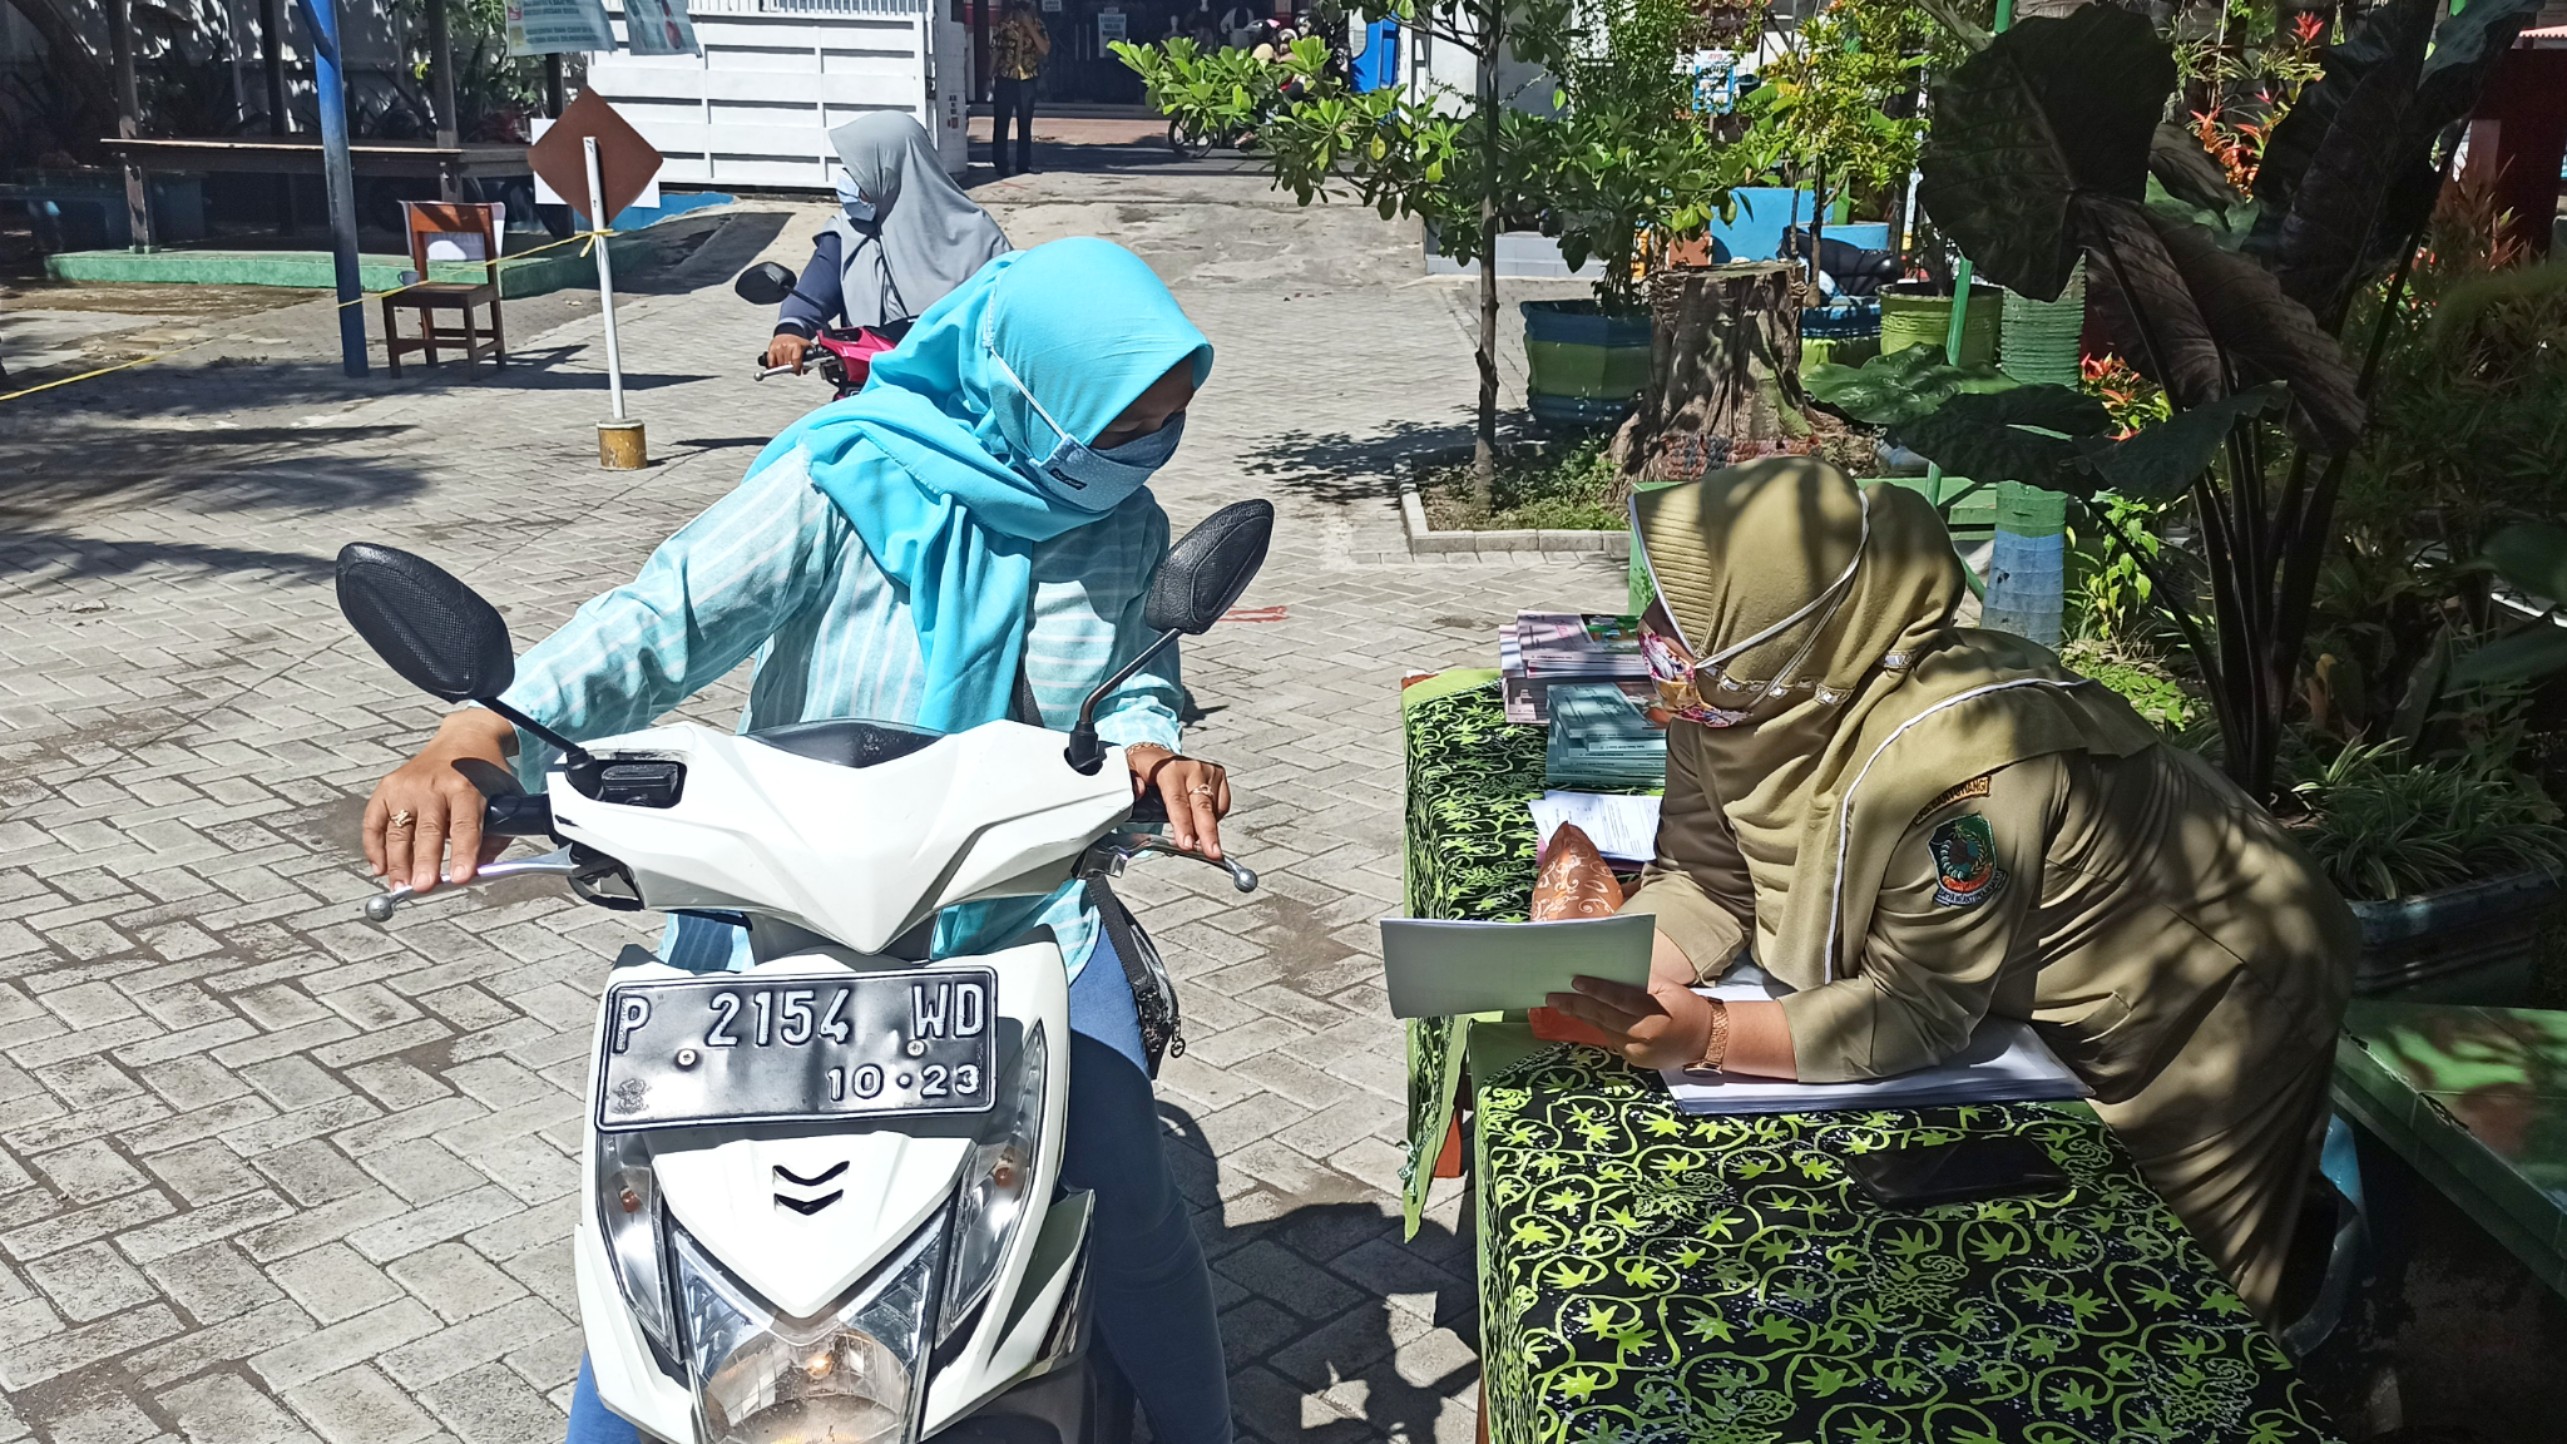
1652,1277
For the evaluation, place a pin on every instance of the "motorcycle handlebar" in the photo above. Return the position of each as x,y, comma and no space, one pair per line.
518,814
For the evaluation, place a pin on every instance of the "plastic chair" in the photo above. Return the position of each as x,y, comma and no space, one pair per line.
473,231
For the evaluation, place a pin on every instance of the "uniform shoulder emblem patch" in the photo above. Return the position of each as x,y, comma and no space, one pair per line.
1965,862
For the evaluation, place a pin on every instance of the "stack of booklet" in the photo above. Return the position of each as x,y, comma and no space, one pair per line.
1601,738
2006,1062
1541,650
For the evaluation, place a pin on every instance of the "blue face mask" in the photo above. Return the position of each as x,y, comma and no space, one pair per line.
852,200
1079,475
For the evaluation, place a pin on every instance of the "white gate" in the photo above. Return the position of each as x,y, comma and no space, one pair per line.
754,110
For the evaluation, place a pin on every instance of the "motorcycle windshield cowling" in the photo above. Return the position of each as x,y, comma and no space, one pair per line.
847,741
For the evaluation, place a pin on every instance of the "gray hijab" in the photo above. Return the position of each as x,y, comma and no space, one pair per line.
926,237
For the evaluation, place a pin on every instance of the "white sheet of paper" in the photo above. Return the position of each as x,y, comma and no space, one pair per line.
1623,827
2006,1062
1437,969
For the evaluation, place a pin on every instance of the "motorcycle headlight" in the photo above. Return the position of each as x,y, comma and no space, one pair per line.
997,1182
853,1376
628,1216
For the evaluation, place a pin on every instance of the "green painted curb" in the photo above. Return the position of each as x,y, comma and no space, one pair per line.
534,275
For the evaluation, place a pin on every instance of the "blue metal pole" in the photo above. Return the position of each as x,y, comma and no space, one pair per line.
338,177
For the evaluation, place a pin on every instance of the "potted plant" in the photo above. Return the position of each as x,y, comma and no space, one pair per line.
1919,313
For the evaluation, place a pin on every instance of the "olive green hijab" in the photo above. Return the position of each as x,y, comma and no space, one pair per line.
1863,702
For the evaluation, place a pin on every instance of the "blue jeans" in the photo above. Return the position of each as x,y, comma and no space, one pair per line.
1153,1292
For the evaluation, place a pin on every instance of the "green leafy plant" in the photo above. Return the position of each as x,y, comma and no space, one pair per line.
2384,824
1575,489
2112,599
1838,106
2042,152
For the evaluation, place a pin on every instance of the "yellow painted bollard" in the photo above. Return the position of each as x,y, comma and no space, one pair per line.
620,446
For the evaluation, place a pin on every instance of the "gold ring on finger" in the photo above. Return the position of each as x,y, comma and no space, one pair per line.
401,817
1201,789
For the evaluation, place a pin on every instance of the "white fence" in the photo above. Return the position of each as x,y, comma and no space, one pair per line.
754,110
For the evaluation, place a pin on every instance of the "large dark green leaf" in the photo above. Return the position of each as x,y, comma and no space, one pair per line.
2375,41
2332,237
2536,651
2161,460
2358,149
2532,556
1899,385
2051,110
2029,434
2211,313
2178,162
2466,48
2143,305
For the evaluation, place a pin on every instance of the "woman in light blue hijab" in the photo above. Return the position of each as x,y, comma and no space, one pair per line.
970,534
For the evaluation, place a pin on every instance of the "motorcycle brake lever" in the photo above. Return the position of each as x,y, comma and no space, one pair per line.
1114,852
557,863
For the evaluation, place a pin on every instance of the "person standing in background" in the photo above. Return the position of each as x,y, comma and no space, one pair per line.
1020,47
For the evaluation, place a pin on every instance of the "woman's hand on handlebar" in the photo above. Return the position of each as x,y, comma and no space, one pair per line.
786,350
434,801
1196,794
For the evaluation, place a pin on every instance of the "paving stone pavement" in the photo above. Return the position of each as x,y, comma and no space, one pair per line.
269,1173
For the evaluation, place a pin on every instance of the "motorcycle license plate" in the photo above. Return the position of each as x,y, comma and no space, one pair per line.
788,1050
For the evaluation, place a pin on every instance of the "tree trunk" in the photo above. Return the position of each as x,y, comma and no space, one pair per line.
1484,442
1723,372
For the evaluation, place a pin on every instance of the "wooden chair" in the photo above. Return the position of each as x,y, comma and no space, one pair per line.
474,229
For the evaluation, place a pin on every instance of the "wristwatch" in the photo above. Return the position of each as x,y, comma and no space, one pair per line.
1715,1049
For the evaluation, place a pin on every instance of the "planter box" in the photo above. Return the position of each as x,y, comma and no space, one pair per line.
1583,367
1912,314
2472,944
1424,540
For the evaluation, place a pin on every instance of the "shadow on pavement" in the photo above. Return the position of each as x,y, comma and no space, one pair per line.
1335,1265
727,250
211,471
51,558
205,473
1340,467
1106,158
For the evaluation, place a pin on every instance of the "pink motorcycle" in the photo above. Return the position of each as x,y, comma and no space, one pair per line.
846,353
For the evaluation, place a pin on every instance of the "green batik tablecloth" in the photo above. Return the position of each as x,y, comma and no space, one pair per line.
1651,1277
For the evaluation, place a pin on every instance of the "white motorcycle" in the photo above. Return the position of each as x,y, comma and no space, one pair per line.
823,1201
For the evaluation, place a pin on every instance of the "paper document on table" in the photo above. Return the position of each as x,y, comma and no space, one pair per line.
1623,826
2006,1062
1437,969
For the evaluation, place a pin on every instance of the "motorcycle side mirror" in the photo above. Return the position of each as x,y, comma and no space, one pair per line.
1207,569
1200,578
436,632
443,637
764,284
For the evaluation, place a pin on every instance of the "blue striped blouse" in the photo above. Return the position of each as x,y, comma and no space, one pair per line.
774,570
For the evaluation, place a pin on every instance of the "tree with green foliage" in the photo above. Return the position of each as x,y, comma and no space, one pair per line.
1622,152
1840,106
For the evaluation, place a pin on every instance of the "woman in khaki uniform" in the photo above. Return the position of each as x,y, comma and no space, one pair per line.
1916,824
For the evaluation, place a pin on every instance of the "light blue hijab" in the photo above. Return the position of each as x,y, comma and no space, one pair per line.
929,461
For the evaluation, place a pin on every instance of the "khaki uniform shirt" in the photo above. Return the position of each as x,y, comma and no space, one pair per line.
2112,902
